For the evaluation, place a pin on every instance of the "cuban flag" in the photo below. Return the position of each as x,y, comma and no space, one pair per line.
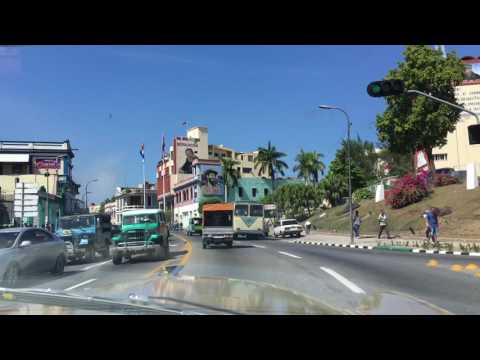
142,152
163,144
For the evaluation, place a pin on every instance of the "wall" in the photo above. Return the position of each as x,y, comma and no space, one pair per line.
458,149
260,184
7,182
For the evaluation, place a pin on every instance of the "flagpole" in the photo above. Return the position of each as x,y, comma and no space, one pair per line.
144,187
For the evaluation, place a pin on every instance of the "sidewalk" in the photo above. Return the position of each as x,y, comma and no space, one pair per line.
407,240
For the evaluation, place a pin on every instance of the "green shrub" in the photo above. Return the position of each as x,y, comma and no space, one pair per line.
362,194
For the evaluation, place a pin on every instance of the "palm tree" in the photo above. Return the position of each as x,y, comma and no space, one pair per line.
230,175
268,160
333,188
308,165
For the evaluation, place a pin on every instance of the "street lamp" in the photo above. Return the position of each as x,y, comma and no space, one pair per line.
86,192
349,125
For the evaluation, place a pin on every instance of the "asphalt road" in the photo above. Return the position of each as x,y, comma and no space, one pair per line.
349,279
353,280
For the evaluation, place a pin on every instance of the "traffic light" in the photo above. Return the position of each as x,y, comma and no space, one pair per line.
386,88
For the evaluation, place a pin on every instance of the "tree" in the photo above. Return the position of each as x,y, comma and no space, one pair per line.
230,175
308,165
410,122
363,166
268,160
334,187
293,199
400,164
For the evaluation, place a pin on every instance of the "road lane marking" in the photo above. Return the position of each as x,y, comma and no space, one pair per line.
350,285
472,267
81,284
259,246
288,254
456,268
432,263
95,265
183,261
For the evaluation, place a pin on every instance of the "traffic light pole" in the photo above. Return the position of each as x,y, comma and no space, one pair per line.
444,102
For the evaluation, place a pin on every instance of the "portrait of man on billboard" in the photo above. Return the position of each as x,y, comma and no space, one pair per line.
211,183
187,166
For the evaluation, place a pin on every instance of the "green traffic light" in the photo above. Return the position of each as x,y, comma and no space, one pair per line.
376,89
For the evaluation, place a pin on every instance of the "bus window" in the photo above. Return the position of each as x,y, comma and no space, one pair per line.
241,210
256,210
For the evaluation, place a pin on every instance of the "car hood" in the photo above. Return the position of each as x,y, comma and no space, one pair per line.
217,295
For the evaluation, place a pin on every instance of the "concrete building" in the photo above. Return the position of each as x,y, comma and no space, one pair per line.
206,183
254,189
110,208
190,163
46,166
463,145
131,198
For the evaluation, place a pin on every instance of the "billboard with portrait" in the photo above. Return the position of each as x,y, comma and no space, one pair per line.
185,152
211,181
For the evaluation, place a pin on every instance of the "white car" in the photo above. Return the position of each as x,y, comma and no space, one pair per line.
289,227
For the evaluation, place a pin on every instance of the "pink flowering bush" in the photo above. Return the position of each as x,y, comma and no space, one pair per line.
408,190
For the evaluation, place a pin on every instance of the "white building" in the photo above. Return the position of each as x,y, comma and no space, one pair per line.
131,198
463,144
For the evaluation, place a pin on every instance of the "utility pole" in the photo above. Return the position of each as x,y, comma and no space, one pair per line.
349,125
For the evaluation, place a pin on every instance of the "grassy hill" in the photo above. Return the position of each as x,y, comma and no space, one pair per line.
463,221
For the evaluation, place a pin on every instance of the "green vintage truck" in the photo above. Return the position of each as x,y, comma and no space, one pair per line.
143,232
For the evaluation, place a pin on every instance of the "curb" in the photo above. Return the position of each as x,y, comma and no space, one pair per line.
332,244
409,250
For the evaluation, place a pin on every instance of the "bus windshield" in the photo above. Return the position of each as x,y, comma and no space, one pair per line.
256,210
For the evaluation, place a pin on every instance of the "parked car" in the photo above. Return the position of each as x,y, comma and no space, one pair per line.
29,251
286,227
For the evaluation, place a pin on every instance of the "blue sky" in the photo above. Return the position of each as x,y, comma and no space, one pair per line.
245,95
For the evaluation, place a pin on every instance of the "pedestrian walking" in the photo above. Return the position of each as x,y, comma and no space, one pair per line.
308,225
432,219
356,225
427,226
382,222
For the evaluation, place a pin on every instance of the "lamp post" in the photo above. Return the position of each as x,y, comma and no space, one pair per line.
86,192
349,125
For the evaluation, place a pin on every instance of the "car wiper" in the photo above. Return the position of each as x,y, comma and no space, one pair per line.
93,303
195,304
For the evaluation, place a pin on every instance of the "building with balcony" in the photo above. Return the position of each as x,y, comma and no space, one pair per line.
131,198
46,166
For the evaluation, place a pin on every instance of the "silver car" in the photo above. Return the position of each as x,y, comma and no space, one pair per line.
29,251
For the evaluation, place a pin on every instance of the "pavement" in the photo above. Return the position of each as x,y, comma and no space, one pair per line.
352,280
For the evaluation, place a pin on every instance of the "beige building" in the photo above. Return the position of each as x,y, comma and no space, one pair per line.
463,145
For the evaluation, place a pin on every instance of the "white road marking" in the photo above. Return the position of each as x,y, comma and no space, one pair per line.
288,254
259,246
344,281
81,284
95,265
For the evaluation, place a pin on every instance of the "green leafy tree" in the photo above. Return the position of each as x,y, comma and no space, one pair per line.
309,165
269,162
412,122
230,175
296,200
400,164
363,166
334,188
